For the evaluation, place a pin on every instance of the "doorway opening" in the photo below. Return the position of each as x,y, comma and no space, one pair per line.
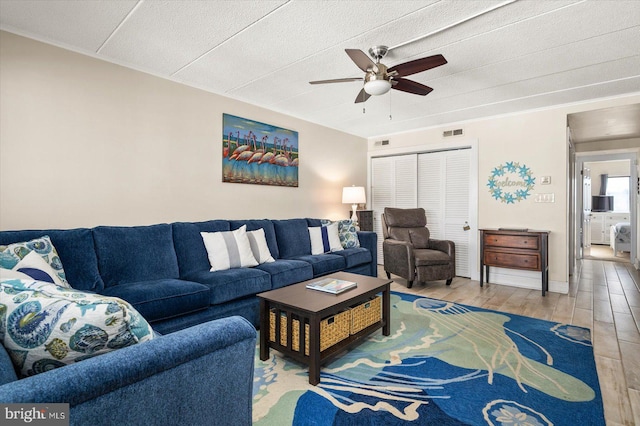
599,138
605,208
608,224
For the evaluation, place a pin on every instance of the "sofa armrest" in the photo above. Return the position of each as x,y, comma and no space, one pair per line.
398,258
369,240
445,246
197,376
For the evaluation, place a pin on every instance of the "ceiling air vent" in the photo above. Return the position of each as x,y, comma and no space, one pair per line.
381,143
455,132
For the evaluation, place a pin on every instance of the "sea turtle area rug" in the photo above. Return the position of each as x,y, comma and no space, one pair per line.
443,364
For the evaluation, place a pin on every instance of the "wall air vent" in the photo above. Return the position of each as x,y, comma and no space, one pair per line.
381,143
455,132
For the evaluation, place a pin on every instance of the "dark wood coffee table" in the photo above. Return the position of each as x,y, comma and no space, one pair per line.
312,306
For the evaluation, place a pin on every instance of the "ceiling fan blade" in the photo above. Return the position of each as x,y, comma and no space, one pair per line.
362,96
336,80
361,59
418,65
410,86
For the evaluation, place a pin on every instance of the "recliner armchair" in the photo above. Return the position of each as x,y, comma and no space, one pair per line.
410,253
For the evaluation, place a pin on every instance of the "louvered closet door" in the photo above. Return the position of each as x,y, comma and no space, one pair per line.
393,184
431,191
444,192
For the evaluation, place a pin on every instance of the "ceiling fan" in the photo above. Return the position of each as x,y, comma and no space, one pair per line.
379,79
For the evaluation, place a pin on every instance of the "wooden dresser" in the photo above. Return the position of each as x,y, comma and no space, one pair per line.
515,249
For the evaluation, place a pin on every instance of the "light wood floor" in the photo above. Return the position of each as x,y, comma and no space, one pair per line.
603,296
602,252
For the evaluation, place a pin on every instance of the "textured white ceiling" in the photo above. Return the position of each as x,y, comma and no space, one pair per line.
525,54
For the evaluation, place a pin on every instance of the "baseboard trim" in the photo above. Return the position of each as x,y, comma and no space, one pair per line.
525,279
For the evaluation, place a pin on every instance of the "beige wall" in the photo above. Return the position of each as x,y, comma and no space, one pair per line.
534,138
84,142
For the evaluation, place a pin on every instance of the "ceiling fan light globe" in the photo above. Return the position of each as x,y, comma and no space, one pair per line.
377,87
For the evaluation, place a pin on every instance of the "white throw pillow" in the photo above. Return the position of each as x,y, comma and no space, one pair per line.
33,267
325,239
259,247
228,249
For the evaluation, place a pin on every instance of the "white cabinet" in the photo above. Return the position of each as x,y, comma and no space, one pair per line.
601,223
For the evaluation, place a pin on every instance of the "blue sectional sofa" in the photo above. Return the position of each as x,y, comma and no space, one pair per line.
164,272
202,375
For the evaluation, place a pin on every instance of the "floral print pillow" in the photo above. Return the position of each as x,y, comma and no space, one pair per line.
12,254
347,232
44,326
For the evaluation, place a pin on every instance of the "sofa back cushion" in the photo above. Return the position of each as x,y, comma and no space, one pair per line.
293,237
269,232
135,253
189,247
76,251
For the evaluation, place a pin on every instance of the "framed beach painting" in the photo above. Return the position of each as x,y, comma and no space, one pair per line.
258,153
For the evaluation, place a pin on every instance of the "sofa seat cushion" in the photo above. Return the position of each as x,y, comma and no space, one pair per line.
232,283
324,263
285,272
157,300
355,256
428,257
48,326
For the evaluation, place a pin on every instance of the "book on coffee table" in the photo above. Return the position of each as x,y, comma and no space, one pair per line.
331,285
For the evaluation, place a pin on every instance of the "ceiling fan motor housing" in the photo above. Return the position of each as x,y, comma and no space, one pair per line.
378,52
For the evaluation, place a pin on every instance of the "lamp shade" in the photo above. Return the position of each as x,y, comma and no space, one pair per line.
353,195
377,87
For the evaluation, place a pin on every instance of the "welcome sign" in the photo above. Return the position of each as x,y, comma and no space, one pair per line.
511,182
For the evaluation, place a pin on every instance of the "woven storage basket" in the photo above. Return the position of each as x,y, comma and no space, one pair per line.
332,330
365,314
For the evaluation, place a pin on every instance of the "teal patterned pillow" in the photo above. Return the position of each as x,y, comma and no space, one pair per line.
347,232
44,326
13,253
